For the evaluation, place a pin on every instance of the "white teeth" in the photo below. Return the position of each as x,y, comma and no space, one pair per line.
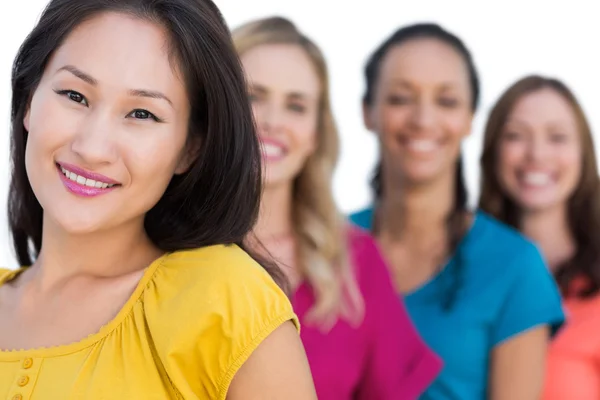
85,182
537,178
422,145
272,150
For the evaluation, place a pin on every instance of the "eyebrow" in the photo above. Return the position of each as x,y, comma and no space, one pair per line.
514,122
80,74
447,85
133,92
150,94
293,95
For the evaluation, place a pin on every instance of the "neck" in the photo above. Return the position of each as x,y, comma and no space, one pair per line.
415,213
275,217
102,254
550,230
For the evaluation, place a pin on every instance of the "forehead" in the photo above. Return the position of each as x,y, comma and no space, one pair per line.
283,67
121,51
544,105
425,61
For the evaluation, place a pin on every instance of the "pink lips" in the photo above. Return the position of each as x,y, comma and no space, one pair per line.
82,190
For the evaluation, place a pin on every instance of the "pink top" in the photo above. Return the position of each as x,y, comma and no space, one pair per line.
383,358
573,361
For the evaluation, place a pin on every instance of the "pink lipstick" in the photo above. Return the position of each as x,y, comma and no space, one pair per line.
85,183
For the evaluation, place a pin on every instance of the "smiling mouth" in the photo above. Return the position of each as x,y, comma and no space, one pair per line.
272,151
421,145
537,179
83,181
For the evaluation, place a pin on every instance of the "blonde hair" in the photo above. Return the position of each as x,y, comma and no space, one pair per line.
320,228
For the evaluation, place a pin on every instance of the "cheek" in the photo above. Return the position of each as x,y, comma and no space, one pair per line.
458,125
303,134
154,158
570,160
390,120
257,112
510,156
51,126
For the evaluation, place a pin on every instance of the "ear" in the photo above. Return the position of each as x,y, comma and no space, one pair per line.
367,117
26,118
189,155
469,126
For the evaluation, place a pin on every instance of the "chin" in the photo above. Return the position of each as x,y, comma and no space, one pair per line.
74,223
278,178
539,205
422,176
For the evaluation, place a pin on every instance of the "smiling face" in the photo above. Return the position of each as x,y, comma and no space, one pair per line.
285,91
107,125
421,110
540,152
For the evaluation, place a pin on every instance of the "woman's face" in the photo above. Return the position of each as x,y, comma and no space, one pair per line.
421,110
107,125
285,91
540,151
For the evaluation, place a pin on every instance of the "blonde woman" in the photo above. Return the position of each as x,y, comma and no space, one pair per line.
358,337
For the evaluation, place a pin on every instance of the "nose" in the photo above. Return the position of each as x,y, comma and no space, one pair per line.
94,142
423,116
270,119
537,149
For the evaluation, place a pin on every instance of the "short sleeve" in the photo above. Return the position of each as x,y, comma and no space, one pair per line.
207,311
532,298
399,364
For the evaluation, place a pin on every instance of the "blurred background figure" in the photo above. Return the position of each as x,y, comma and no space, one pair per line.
468,280
359,340
539,174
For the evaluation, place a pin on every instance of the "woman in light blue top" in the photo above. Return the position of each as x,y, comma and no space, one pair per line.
479,293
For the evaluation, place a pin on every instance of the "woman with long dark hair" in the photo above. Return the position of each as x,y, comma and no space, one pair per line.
135,181
540,175
479,292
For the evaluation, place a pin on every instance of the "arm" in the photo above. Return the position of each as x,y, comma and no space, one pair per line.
277,369
521,331
517,366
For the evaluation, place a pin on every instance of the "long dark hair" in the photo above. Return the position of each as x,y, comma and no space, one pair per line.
217,200
583,209
456,220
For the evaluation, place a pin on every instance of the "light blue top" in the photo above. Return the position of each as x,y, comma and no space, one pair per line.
504,288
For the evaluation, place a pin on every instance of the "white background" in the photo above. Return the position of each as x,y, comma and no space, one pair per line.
508,39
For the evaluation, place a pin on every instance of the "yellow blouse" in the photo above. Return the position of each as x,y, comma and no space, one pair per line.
193,320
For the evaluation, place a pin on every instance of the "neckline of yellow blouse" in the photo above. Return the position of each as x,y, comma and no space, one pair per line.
105,330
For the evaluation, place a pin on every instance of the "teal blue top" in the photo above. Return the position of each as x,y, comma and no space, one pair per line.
501,288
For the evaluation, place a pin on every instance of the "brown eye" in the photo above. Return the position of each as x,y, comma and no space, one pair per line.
76,97
143,114
73,96
397,100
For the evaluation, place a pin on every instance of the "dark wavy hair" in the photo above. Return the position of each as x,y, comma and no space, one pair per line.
217,200
584,203
456,220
